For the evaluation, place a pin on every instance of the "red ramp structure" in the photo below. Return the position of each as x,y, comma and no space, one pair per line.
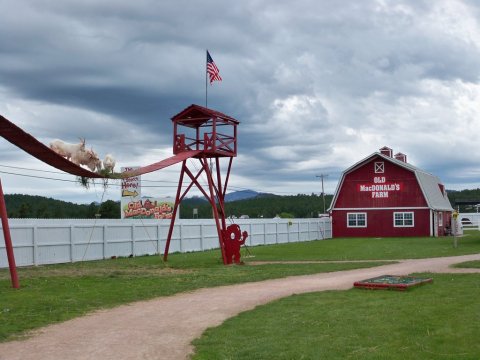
201,134
11,132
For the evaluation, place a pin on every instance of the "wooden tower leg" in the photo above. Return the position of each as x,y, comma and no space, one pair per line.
211,187
8,240
174,215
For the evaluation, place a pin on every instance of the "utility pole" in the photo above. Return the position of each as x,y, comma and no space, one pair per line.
322,176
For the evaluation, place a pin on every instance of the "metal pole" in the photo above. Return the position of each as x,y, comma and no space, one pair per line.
323,192
455,224
8,241
206,79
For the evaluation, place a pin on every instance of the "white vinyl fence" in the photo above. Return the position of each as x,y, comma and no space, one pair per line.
45,241
469,221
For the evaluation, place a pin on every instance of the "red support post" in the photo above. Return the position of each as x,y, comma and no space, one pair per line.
219,178
228,175
194,181
174,215
215,210
235,137
8,240
220,194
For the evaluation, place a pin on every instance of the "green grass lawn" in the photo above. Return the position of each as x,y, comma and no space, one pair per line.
469,264
440,320
56,293
368,248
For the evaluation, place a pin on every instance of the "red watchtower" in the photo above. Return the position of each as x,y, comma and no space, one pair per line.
199,128
207,135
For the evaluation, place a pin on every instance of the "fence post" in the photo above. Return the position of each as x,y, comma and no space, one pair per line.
105,243
264,234
250,233
201,237
133,239
35,246
288,231
71,243
276,232
158,238
181,237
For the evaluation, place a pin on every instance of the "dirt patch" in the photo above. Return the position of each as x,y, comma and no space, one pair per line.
163,328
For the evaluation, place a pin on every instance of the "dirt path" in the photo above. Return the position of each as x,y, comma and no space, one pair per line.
164,327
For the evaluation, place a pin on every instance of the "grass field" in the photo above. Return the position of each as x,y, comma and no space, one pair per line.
368,248
440,320
56,293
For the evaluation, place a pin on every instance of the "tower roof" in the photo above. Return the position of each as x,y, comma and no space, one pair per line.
196,115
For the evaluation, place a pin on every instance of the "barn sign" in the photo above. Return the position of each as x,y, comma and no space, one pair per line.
379,187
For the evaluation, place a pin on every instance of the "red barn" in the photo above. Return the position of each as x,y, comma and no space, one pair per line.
384,196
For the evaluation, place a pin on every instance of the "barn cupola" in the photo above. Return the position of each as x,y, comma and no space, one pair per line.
386,151
401,157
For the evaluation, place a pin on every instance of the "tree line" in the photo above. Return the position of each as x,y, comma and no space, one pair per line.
40,207
263,206
266,206
470,195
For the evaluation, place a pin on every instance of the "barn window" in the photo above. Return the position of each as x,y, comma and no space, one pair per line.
356,219
440,219
379,168
403,219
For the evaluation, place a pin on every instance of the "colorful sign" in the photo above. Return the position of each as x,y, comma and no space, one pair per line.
133,206
131,190
380,187
148,208
131,187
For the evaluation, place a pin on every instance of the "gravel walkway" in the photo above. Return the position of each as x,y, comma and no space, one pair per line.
164,327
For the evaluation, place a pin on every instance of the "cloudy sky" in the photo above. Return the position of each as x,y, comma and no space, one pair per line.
316,84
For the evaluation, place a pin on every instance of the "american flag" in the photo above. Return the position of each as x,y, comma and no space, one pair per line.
212,69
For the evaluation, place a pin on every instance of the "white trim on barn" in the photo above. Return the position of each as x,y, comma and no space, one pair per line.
384,208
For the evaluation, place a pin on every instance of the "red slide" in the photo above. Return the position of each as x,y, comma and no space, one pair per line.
28,143
162,164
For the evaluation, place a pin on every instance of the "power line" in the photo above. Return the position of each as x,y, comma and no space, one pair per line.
63,173
36,176
75,181
236,188
29,169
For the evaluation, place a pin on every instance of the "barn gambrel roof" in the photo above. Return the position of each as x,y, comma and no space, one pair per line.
430,184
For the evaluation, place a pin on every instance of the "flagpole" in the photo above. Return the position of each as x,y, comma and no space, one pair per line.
206,80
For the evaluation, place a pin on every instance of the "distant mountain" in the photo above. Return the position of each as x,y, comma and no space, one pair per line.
194,200
241,195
